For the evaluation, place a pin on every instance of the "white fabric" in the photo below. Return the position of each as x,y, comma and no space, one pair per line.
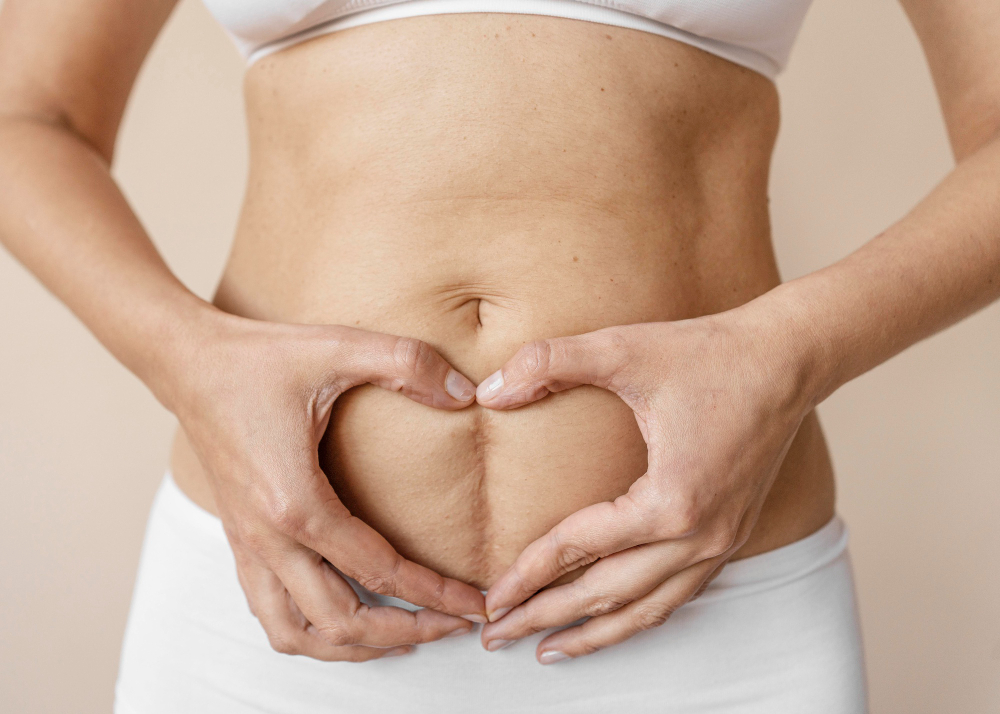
775,634
758,34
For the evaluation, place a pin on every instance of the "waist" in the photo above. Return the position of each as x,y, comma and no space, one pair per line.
439,190
786,621
465,492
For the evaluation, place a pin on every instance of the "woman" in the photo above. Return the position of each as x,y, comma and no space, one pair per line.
480,205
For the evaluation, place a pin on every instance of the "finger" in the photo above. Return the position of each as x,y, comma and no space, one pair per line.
332,607
288,630
708,581
553,365
594,532
360,552
643,614
611,584
402,364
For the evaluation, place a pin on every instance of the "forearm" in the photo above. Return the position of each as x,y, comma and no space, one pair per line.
63,216
934,267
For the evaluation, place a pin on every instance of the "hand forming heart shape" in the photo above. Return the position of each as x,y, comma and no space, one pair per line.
718,400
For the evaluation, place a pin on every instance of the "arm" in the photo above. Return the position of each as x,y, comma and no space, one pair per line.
63,90
941,262
253,397
720,398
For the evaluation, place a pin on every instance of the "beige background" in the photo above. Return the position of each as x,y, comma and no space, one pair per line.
916,442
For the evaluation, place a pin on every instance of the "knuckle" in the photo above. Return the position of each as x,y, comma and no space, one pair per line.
648,617
720,542
410,355
337,633
603,605
536,357
287,517
374,583
283,643
682,518
381,583
436,596
570,554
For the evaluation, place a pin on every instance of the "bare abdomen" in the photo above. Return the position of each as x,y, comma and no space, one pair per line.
481,181
465,492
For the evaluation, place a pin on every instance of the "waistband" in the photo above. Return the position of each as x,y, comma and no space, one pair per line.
742,577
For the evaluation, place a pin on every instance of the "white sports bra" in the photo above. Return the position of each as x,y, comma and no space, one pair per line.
754,33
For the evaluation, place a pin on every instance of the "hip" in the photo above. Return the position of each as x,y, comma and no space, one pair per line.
776,632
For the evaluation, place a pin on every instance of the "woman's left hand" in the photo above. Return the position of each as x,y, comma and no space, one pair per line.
718,400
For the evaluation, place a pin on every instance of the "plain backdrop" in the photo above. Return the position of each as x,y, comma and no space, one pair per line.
916,442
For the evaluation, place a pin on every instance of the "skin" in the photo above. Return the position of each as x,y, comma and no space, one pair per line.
348,238
64,216
719,398
546,250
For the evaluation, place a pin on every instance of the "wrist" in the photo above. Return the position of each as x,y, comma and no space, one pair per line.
796,351
176,351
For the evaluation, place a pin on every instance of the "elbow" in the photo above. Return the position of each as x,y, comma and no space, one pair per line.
968,137
99,142
96,139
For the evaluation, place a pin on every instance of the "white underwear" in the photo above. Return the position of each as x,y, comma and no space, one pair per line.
775,633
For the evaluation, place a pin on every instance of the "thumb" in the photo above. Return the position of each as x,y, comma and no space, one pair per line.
553,365
402,364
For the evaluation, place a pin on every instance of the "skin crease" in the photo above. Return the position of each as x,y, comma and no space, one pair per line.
440,258
483,183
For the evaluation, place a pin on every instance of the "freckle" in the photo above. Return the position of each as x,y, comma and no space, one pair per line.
497,35
612,279
608,36
357,322
532,34
575,259
602,89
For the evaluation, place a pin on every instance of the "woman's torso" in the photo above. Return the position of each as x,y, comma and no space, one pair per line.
479,181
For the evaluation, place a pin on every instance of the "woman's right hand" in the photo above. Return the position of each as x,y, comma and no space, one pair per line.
254,399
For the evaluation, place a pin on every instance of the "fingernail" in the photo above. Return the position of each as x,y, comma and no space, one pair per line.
490,386
497,614
494,645
459,387
481,619
396,652
552,656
